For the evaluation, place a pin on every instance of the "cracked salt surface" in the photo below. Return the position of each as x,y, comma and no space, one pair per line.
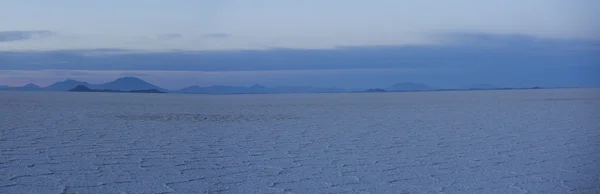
536,141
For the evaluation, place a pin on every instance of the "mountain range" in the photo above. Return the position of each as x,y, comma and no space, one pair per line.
257,89
121,84
130,84
127,84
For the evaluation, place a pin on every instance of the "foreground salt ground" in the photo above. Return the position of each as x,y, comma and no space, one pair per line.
537,141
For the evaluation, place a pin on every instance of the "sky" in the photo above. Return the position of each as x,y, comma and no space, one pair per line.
344,43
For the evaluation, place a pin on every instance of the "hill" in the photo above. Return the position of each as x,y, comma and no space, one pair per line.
66,85
27,87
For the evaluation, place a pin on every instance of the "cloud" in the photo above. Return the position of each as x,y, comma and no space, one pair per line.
217,35
170,36
469,52
6,36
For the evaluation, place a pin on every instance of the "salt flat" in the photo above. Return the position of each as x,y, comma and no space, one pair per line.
518,141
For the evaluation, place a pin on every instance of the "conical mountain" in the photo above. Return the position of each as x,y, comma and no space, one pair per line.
31,86
127,84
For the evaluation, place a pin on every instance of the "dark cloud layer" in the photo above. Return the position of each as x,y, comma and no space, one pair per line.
6,36
469,53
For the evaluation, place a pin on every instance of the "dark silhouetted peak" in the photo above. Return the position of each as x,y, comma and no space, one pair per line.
128,84
80,88
193,89
27,87
129,79
31,86
257,86
66,85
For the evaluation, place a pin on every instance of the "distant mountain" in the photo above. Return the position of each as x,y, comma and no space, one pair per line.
3,86
191,90
82,88
258,89
127,84
132,84
66,85
28,87
493,87
120,84
31,87
256,86
409,86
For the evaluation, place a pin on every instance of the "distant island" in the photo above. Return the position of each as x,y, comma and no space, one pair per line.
376,90
136,85
82,88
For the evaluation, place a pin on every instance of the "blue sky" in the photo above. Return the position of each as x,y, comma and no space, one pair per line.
283,42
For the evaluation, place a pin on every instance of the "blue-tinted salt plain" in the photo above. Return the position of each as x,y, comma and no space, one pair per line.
519,141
